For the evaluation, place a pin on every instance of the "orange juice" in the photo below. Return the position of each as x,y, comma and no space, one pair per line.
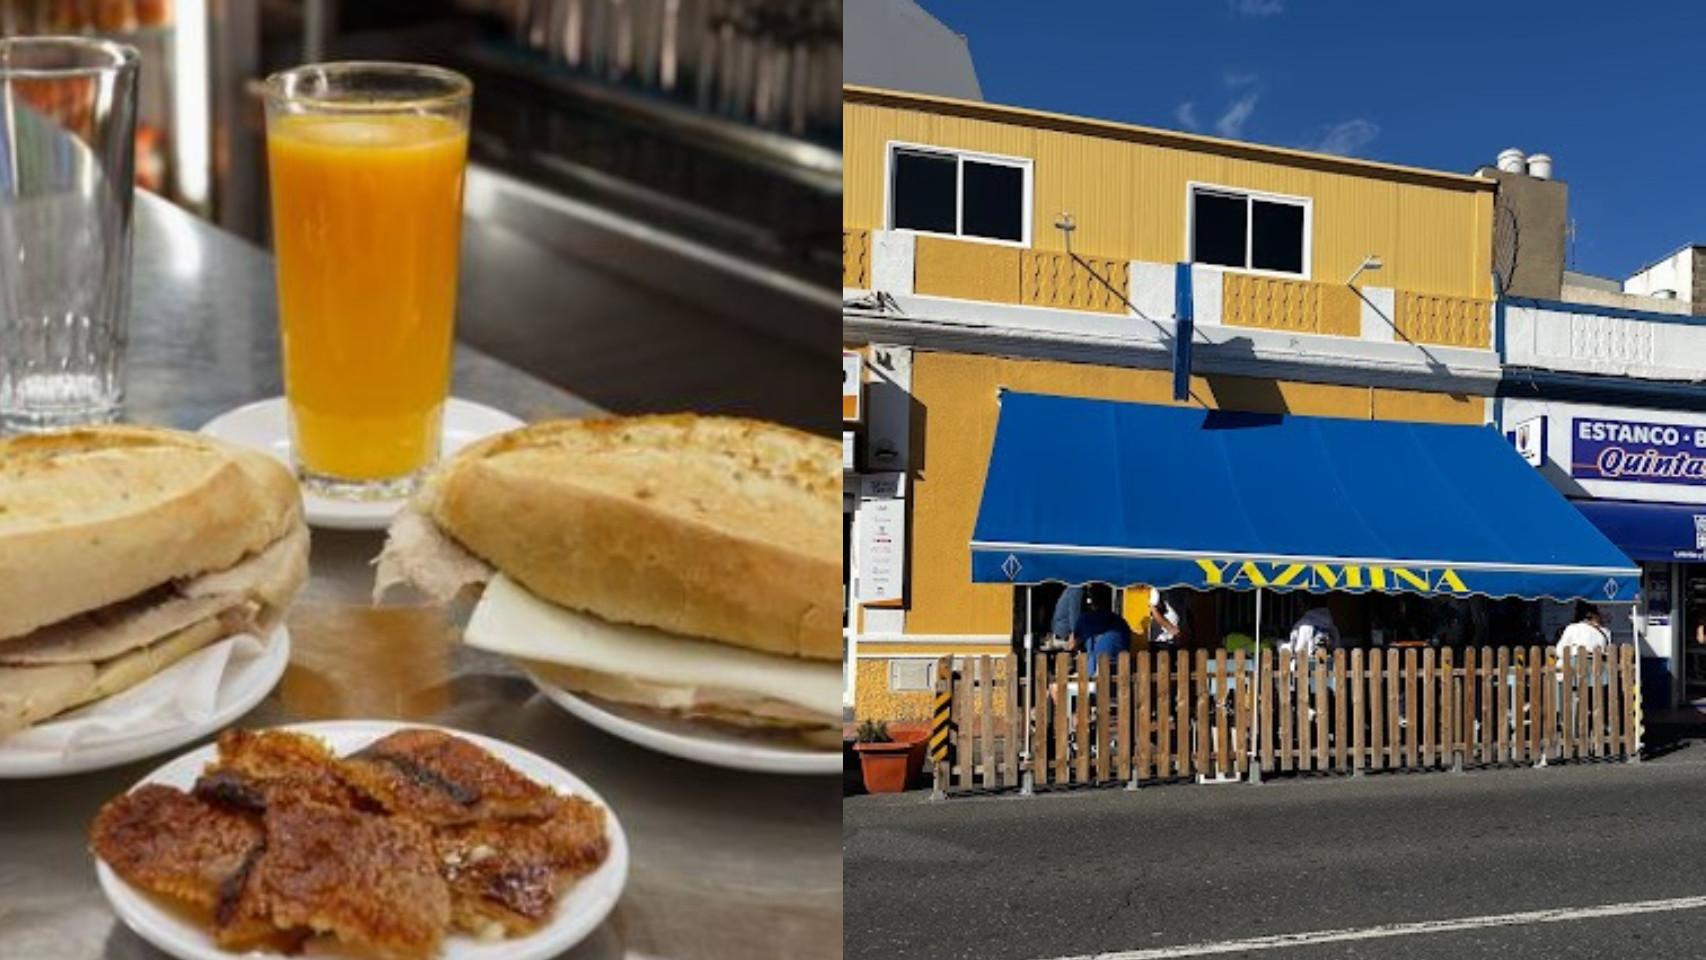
367,215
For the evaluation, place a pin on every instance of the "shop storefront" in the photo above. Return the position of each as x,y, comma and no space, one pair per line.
1277,503
1640,476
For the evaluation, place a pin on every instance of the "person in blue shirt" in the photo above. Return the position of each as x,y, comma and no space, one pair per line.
1066,612
1100,632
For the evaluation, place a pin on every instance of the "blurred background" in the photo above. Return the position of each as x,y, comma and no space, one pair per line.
653,185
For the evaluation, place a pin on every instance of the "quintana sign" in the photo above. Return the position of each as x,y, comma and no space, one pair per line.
1634,452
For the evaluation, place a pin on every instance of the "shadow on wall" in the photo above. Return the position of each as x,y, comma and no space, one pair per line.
1245,394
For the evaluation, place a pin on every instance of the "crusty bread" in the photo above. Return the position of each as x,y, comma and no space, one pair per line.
709,527
92,516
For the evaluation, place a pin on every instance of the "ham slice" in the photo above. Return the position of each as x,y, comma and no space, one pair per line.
111,631
270,577
420,554
244,597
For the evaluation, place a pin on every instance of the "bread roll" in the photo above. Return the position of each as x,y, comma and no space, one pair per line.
709,527
93,516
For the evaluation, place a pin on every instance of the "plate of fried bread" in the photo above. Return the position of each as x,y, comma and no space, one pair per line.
360,839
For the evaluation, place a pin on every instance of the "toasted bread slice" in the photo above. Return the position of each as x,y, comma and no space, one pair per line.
371,881
710,527
440,779
93,516
168,842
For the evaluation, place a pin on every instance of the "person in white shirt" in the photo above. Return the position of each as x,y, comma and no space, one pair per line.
1314,630
1166,623
1587,634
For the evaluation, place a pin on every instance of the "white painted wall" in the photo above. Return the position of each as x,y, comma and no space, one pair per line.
888,425
1379,314
1584,341
1624,301
893,253
1151,288
1675,272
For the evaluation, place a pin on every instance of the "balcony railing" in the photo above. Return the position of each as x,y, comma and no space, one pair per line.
1609,341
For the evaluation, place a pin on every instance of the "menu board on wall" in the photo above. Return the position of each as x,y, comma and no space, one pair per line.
882,540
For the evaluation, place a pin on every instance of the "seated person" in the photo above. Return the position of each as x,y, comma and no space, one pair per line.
1166,620
1100,632
1587,634
1313,631
1067,609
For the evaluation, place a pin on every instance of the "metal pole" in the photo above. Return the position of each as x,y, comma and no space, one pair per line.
1256,701
1025,781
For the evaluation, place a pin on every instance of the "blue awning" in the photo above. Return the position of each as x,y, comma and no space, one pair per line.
1125,493
1651,531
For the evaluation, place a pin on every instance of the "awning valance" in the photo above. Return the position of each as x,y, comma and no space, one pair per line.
1670,532
1092,490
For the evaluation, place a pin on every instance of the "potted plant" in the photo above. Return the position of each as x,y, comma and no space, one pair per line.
918,736
882,761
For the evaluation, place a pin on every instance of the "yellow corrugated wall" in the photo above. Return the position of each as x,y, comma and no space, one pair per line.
856,259
1128,198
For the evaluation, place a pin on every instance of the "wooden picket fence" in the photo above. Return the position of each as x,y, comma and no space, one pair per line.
1174,715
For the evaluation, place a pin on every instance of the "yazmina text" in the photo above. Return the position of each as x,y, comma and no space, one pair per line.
1332,576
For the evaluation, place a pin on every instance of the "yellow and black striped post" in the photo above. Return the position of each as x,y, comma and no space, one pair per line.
941,725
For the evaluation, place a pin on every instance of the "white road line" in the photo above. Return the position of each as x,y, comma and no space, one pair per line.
1284,940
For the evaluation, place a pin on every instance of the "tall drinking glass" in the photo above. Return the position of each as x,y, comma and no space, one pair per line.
366,164
67,147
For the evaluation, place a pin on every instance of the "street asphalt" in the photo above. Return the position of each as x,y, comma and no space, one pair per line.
1081,873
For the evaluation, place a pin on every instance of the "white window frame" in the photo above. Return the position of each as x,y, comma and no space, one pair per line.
1024,164
1307,203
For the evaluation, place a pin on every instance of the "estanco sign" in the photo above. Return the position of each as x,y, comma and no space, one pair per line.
1328,576
1628,451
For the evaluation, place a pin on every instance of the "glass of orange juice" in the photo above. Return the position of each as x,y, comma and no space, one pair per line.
366,163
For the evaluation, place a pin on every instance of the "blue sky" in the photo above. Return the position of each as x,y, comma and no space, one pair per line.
1615,92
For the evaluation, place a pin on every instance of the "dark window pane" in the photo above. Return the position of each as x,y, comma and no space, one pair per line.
994,201
1278,240
1217,225
924,187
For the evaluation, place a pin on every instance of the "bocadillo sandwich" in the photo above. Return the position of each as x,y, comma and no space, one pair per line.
683,564
126,549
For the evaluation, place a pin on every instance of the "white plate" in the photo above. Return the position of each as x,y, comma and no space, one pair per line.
579,911
263,426
241,687
698,742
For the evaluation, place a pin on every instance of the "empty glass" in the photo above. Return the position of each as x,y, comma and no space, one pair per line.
67,129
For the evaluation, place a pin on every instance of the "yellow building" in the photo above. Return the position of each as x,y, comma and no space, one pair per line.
987,247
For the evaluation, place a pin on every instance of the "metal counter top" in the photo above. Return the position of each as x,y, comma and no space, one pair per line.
726,865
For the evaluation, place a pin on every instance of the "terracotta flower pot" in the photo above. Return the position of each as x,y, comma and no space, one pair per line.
885,765
918,736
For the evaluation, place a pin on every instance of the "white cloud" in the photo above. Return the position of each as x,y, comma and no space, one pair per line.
1186,114
1256,8
1234,79
1347,138
1237,113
